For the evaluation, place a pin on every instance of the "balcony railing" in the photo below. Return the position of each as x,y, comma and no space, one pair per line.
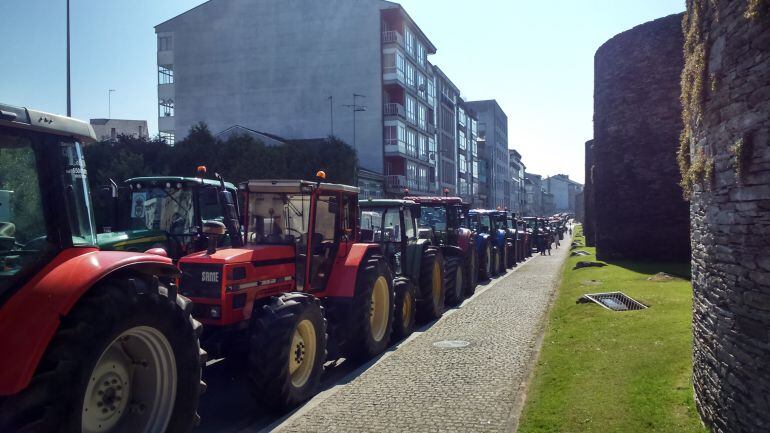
392,37
394,109
395,182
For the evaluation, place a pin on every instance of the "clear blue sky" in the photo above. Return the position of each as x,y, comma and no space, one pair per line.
534,57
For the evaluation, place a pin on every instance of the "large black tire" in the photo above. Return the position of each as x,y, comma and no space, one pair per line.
502,259
406,308
471,270
272,343
430,305
511,258
453,281
494,267
485,262
115,311
366,341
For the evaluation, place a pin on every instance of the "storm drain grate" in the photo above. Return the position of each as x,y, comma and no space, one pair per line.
615,301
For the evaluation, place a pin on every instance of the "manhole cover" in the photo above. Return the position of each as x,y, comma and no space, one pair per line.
615,301
451,344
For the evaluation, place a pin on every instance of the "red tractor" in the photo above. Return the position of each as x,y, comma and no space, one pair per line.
444,220
301,285
93,341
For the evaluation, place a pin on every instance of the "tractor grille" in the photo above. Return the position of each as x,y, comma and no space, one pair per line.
201,281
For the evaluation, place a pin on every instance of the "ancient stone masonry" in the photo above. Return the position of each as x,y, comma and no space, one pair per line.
638,208
725,162
589,220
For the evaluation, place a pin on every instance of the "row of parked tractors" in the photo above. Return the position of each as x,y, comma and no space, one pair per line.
109,332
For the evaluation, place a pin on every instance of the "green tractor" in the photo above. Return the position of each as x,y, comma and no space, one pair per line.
166,212
417,265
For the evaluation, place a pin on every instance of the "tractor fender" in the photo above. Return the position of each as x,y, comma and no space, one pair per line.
30,318
482,239
342,281
464,239
413,261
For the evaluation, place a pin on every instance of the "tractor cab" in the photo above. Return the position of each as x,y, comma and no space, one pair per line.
44,196
294,231
393,225
166,212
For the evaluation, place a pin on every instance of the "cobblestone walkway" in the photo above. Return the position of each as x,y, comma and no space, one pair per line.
423,388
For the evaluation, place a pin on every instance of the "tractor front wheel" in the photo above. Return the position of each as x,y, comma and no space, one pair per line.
494,267
453,280
511,262
125,359
372,311
432,288
406,308
287,350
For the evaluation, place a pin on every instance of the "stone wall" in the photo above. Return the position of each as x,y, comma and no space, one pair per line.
639,209
588,197
726,161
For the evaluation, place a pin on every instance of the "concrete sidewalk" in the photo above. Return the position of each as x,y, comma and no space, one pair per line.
420,387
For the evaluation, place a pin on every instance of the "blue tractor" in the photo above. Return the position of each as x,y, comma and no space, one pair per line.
491,243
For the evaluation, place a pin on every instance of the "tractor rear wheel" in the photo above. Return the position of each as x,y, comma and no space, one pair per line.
125,359
432,288
287,350
453,281
511,262
371,320
471,270
406,308
494,267
486,262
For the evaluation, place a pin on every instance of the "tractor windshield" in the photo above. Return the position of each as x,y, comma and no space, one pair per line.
28,226
167,209
278,219
381,225
481,223
434,217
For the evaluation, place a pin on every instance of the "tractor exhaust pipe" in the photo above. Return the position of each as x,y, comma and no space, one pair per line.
213,230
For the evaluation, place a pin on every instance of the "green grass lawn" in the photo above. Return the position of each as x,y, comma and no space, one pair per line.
605,371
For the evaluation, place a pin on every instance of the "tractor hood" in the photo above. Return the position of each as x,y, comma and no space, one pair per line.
124,239
263,254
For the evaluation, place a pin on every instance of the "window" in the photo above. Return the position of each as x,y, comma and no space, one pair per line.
411,175
420,54
165,74
410,109
421,88
401,67
475,169
391,135
422,116
165,43
409,41
166,108
409,75
431,145
168,137
463,164
411,232
461,140
411,138
431,93
422,146
422,179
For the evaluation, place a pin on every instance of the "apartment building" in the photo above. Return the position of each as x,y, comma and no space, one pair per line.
493,131
356,69
564,191
517,169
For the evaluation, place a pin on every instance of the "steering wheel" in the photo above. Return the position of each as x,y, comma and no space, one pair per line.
290,229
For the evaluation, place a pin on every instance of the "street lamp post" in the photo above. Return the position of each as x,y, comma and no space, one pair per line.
69,96
356,108
109,103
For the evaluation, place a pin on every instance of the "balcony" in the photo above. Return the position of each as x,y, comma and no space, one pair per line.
392,37
395,183
394,109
